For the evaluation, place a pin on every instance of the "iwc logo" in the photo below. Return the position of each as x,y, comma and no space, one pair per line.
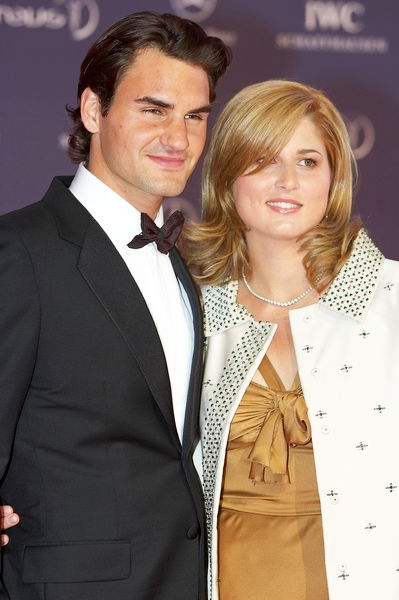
195,10
347,16
361,134
335,27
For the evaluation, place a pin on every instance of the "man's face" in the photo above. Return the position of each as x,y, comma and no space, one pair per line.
148,144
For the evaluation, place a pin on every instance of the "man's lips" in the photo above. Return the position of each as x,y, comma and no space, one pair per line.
168,162
284,206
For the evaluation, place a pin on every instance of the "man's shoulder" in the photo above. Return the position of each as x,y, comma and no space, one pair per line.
22,223
58,187
40,214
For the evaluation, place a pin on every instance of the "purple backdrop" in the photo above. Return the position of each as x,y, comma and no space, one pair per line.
350,49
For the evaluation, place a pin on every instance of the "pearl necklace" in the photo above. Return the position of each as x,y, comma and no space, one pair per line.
275,302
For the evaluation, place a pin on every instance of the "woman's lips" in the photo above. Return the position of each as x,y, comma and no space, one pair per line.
284,206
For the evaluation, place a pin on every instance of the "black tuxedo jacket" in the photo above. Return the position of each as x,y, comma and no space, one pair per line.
110,503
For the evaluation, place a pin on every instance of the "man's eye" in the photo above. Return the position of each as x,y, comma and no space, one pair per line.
154,111
194,117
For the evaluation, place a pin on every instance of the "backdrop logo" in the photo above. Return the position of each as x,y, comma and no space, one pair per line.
333,27
180,203
80,16
346,16
361,134
63,141
83,17
196,10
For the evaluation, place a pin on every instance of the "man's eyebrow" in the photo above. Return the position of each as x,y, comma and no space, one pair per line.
154,101
162,104
202,109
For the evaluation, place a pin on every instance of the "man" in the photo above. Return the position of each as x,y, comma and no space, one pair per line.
101,340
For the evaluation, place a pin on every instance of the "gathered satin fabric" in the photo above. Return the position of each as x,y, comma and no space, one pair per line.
270,534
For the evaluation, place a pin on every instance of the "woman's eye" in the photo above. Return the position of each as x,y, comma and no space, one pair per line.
308,162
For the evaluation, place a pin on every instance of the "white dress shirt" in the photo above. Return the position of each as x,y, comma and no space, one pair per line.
166,298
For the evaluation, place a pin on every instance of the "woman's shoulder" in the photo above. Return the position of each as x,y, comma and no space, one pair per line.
221,309
390,275
392,265
226,292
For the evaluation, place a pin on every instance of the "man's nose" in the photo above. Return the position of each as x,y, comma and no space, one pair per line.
174,135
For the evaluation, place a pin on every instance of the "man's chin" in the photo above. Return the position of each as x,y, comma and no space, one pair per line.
168,186
171,191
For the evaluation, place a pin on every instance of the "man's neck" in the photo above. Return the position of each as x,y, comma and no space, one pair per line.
141,201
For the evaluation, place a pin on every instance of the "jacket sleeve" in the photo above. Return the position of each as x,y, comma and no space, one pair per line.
19,330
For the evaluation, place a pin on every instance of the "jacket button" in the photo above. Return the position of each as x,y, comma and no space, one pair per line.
192,533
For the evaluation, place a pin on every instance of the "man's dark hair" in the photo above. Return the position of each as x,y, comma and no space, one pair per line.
114,52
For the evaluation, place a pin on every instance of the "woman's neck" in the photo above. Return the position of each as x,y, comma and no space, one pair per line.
276,270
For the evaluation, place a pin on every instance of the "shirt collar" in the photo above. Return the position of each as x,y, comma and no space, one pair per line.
119,219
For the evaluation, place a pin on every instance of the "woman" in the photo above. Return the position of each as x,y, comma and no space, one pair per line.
300,411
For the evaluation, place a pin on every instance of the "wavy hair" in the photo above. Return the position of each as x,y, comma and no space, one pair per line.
258,122
115,50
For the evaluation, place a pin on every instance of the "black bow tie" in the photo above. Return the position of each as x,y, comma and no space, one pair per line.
164,237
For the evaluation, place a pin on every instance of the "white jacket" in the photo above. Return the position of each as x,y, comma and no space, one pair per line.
347,349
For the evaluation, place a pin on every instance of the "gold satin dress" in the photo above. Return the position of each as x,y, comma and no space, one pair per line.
269,523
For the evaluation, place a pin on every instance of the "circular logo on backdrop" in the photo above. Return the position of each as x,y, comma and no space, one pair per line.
196,10
80,16
83,17
180,203
361,134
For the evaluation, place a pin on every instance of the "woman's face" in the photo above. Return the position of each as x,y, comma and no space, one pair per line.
288,196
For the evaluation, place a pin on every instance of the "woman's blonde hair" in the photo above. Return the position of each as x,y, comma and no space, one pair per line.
257,123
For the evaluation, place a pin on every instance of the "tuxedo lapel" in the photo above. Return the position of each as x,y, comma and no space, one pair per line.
112,283
193,397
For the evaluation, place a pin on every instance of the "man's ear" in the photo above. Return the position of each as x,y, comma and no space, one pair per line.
90,110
